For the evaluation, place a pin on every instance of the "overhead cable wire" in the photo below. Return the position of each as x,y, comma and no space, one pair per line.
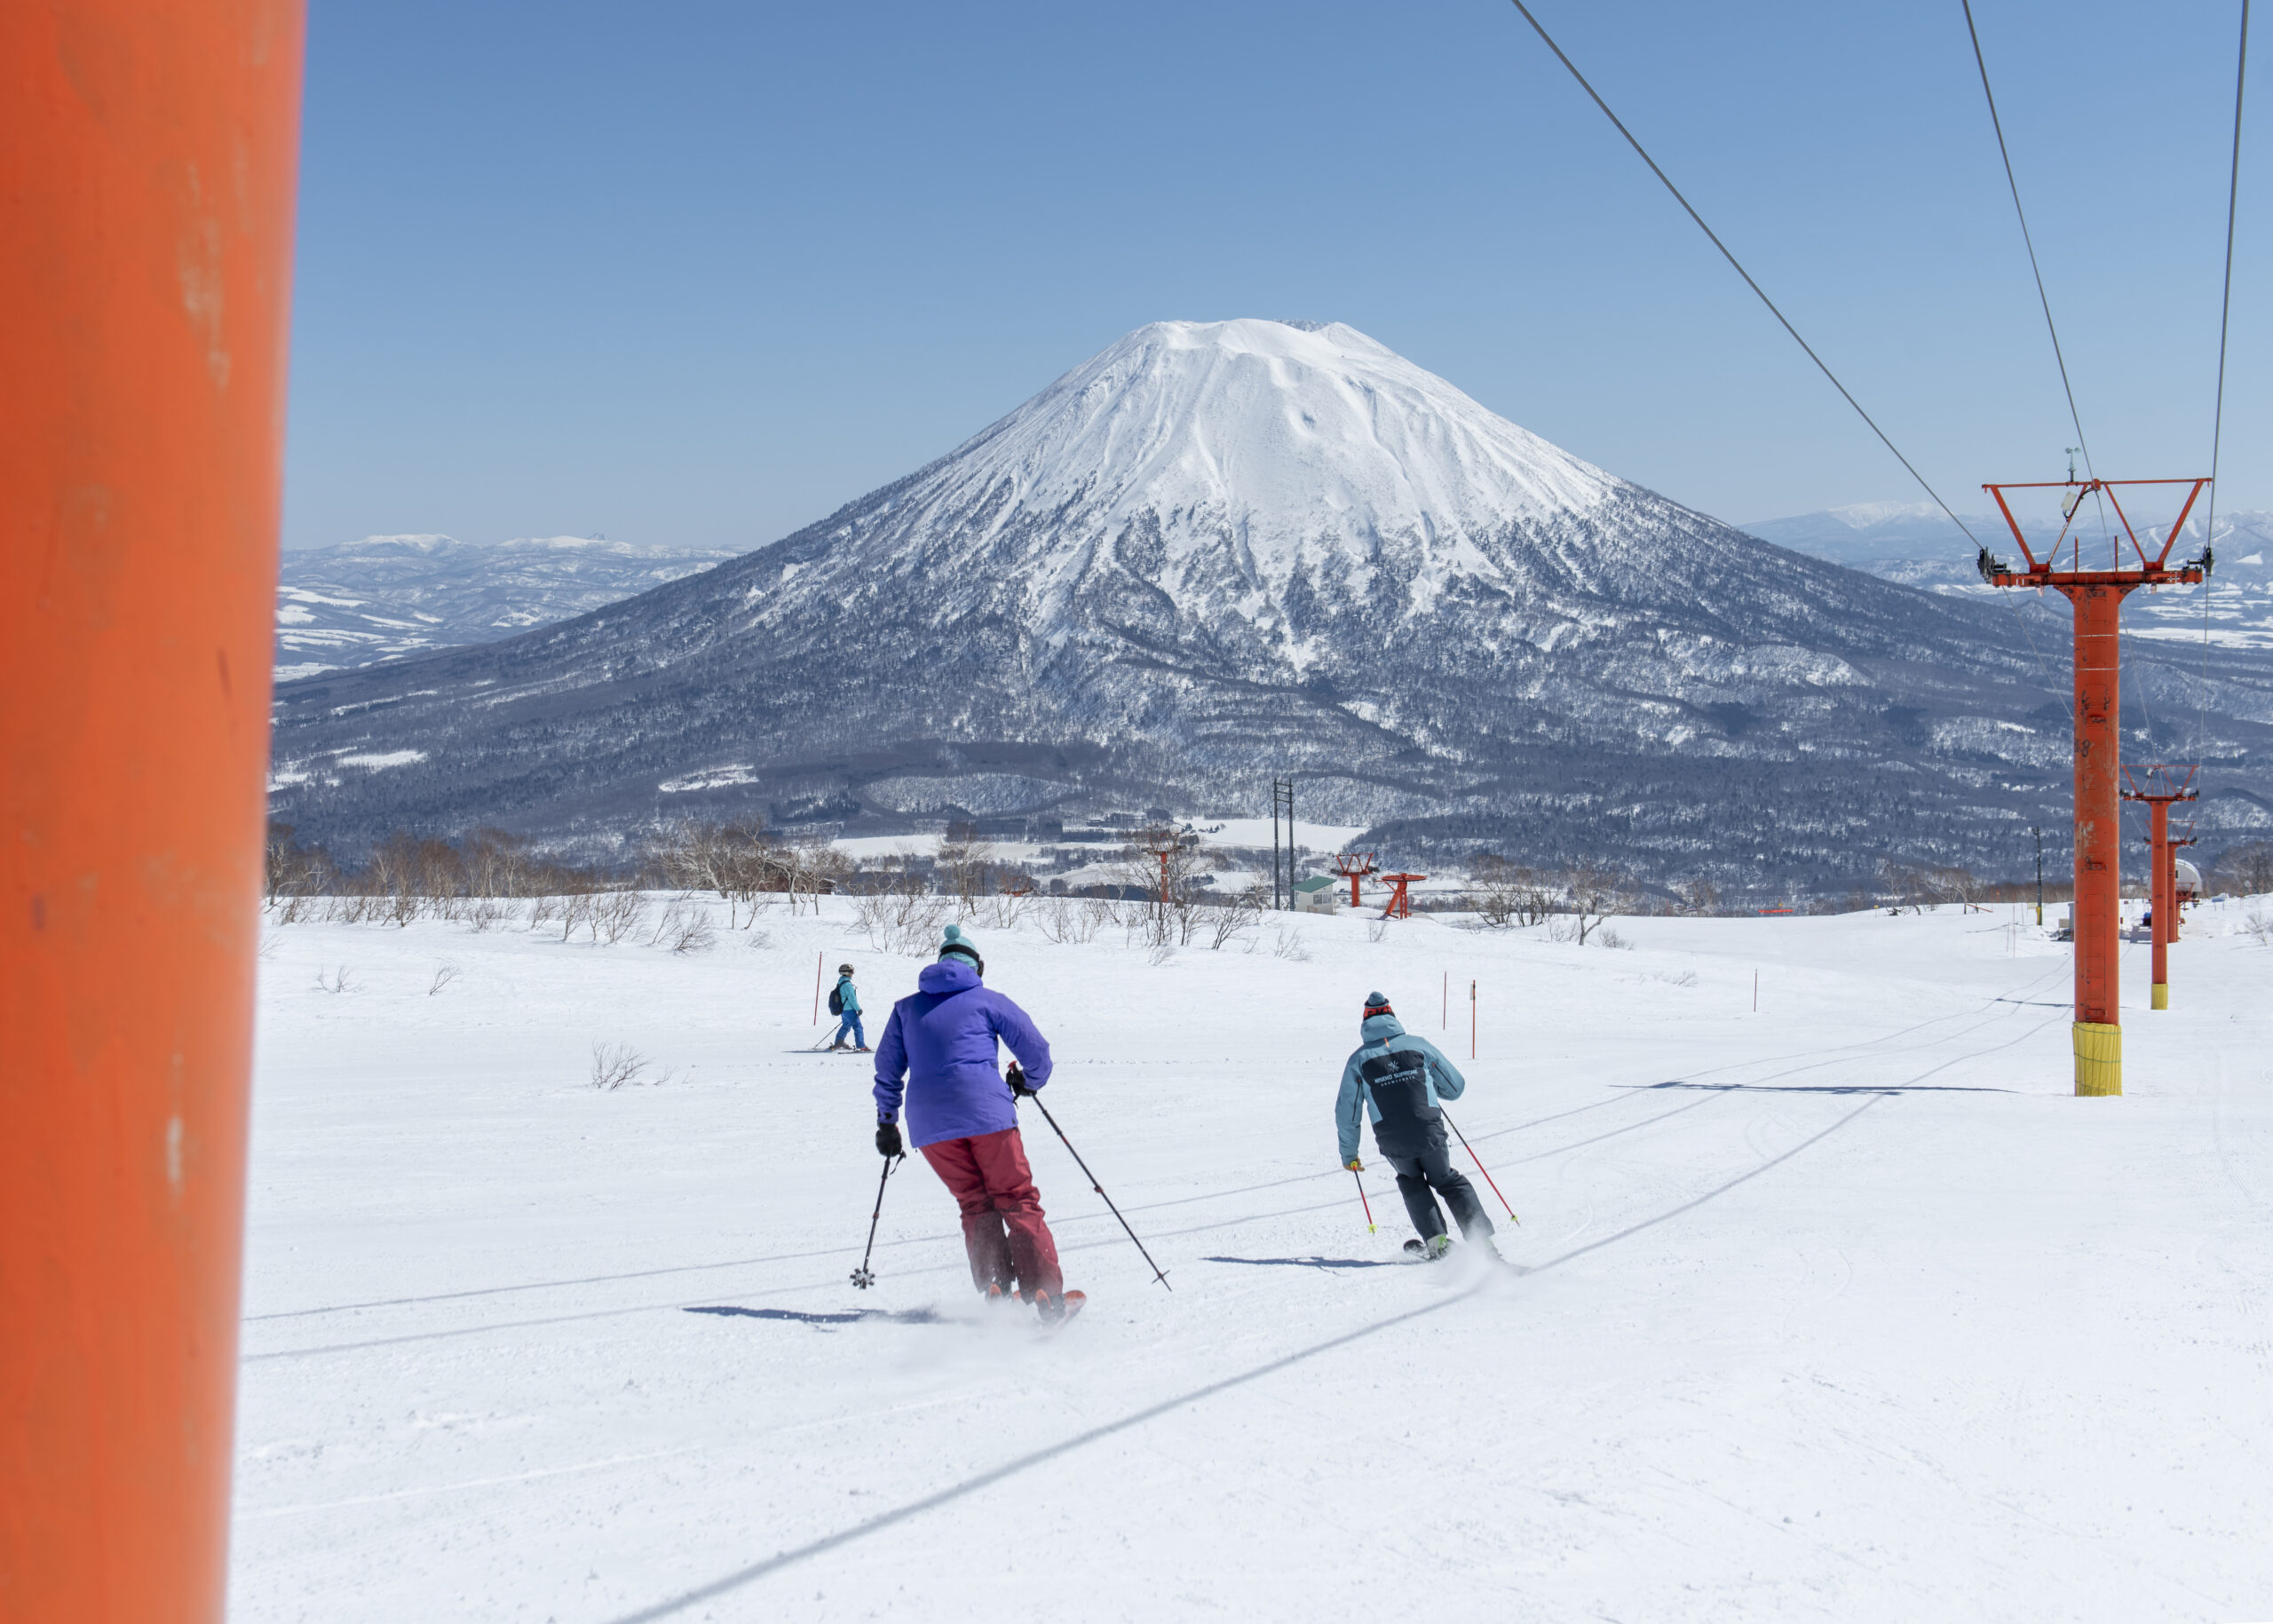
2218,418
2028,242
1643,152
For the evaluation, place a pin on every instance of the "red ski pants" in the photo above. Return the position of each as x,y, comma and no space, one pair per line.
1002,1212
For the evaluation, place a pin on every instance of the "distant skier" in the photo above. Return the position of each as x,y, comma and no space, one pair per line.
844,1001
1400,1078
963,1115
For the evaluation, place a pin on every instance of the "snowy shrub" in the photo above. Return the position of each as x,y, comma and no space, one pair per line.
1234,916
614,1065
1160,953
1377,929
615,914
1074,919
1286,943
685,927
337,982
1612,939
2258,926
1687,978
445,973
484,913
760,938
904,917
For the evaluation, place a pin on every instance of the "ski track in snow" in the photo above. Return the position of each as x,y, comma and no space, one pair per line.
1841,1310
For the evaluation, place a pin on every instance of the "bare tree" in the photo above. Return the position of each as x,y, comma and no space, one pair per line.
1596,893
1234,914
1505,893
1698,896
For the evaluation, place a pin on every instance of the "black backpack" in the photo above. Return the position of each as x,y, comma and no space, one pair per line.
1398,1081
837,999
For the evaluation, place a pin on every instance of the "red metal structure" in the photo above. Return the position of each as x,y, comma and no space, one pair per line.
2097,596
1162,845
2159,787
2181,892
1400,902
1354,866
147,150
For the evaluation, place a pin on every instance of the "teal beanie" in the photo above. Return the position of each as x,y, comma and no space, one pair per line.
957,945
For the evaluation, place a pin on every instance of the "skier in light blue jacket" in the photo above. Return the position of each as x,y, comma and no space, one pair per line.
1400,1078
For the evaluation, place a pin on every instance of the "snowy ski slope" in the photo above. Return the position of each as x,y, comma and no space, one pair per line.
1841,1310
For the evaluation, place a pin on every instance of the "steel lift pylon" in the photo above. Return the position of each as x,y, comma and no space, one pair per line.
2097,596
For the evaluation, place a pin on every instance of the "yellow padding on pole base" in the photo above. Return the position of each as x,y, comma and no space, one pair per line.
2099,1060
2162,995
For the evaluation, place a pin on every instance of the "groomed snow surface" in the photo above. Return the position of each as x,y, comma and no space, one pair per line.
1844,1310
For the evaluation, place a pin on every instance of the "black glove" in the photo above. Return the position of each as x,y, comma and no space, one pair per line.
888,1139
1016,1078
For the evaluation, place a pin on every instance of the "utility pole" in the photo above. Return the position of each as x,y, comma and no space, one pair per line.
2163,787
1282,804
2097,596
2040,876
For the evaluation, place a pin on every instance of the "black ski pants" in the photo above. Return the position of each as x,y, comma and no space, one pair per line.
1422,1178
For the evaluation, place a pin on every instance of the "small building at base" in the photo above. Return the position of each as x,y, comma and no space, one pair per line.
1319,894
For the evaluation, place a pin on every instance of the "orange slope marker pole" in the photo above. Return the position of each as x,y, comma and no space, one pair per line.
147,150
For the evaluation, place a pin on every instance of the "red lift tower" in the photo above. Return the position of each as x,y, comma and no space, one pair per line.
1401,900
1162,846
2097,597
2159,787
1354,866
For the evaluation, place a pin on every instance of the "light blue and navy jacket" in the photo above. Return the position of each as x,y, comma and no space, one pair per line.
1404,1072
850,1000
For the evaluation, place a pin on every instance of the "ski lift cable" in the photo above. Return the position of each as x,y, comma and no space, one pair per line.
2218,416
2043,298
1643,152
2028,242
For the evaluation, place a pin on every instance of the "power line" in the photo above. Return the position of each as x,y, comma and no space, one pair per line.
1643,154
2218,419
2042,298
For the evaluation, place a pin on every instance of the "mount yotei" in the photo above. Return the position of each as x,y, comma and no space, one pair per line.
1221,551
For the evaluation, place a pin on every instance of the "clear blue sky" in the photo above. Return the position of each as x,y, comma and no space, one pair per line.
700,272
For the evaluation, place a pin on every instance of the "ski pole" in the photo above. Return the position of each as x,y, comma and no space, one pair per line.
1479,1160
1159,1273
865,1276
1371,1228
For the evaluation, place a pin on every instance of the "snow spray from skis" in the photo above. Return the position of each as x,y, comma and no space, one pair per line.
1479,1160
1159,1273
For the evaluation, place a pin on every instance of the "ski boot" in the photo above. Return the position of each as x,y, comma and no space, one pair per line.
1055,1312
1431,1249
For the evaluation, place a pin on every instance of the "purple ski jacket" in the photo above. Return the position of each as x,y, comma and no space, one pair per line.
942,1039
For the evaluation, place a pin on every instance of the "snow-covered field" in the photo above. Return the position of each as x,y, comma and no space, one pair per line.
1841,1310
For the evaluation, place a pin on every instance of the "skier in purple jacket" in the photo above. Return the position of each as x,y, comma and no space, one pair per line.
963,1115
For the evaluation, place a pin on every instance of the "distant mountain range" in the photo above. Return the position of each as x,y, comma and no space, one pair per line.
1915,542
1221,551
386,597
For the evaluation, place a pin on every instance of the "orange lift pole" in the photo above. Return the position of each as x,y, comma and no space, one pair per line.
2098,596
2163,786
147,155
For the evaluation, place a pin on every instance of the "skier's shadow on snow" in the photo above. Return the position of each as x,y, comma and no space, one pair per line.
823,1322
1825,1088
1327,1264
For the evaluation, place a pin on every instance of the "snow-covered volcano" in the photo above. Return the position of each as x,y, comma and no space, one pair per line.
1213,551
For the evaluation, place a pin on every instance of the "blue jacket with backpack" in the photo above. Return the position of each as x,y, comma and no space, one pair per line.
1386,1038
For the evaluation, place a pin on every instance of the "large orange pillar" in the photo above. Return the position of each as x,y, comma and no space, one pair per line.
2098,1032
146,170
